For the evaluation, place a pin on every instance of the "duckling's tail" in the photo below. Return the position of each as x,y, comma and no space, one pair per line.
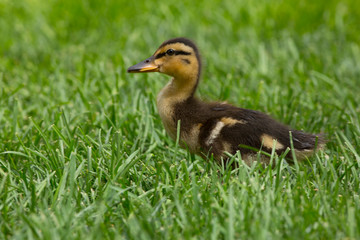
306,144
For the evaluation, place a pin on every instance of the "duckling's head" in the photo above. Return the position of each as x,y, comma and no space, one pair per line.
177,57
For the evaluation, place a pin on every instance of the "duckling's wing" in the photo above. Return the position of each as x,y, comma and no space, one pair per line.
237,128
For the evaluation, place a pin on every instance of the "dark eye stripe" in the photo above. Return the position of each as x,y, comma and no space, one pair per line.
182,53
160,55
186,61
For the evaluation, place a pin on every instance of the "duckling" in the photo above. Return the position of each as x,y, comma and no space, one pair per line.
215,128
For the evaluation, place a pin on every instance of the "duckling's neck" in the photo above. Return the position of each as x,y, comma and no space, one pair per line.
176,91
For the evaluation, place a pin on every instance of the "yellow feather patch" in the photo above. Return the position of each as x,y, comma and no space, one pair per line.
231,122
270,142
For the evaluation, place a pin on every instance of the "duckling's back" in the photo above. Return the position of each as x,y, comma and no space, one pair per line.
224,128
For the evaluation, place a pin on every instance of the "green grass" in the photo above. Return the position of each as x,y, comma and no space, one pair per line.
83,153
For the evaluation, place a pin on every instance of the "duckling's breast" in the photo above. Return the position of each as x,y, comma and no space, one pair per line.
167,103
165,106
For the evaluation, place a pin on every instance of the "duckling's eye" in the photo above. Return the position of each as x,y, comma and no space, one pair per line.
170,52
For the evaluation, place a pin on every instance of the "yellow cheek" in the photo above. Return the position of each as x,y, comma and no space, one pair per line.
170,67
177,67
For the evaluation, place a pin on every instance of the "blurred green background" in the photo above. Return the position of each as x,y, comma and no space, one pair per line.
267,55
273,41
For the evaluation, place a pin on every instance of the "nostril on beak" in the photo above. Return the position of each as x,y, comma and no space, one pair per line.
147,60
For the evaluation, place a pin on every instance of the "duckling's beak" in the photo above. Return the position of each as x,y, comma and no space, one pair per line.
147,65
